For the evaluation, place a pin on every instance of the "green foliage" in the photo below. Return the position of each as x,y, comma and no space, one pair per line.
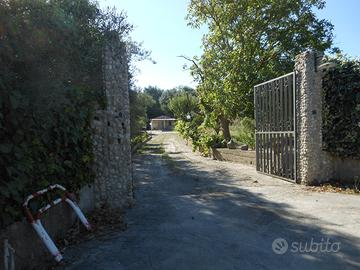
140,102
207,139
140,138
201,137
341,110
249,41
42,149
191,124
183,105
164,100
243,131
155,109
50,85
169,94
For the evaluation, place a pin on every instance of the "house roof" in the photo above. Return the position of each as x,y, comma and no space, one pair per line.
163,117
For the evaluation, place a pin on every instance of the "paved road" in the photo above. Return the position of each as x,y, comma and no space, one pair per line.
196,213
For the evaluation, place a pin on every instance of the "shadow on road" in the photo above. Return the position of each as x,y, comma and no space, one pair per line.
246,221
189,218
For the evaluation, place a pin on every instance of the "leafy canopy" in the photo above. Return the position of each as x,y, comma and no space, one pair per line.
183,105
169,94
140,102
250,41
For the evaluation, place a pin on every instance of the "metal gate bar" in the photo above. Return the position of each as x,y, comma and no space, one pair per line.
275,118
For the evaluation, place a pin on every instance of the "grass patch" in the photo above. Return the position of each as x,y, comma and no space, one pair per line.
243,131
153,148
158,148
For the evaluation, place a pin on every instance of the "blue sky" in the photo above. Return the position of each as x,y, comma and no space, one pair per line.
161,25
344,15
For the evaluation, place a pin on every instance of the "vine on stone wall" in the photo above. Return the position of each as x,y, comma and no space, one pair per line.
341,110
50,86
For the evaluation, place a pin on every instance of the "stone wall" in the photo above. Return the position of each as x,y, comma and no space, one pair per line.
313,164
345,169
235,155
113,183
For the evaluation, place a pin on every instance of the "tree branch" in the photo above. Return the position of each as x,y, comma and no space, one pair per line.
199,71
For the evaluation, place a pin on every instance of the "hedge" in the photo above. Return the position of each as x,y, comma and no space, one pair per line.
341,110
50,85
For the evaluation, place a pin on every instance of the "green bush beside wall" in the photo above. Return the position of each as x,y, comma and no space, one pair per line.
341,110
50,86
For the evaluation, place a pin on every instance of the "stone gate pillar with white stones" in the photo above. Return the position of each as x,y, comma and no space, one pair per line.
313,164
111,135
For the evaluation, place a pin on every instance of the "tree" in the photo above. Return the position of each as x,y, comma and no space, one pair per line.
250,41
183,105
139,104
155,109
169,94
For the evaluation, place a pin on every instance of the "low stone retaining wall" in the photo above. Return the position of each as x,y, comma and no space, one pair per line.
30,252
345,170
235,155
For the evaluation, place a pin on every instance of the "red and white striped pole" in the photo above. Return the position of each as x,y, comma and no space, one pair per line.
37,225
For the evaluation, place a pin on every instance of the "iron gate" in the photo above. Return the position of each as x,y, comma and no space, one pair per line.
275,127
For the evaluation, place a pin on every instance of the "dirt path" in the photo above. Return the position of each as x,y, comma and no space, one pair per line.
196,213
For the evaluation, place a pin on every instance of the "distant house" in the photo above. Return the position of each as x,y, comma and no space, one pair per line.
162,122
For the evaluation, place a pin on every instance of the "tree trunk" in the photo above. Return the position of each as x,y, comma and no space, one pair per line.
225,123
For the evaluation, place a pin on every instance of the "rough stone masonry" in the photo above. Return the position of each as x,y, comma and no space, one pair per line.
315,165
111,137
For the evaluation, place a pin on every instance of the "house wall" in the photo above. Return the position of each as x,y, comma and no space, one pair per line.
155,125
162,124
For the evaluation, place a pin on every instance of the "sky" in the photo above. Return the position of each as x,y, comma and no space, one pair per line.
161,26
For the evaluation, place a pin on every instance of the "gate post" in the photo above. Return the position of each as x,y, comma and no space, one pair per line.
313,164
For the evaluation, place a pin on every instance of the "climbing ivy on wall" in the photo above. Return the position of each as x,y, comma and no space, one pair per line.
50,85
341,110
39,150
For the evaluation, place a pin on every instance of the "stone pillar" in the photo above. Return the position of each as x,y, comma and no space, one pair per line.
313,164
113,182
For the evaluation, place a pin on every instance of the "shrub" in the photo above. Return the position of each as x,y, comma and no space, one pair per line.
139,104
50,85
243,131
341,110
207,140
202,137
140,138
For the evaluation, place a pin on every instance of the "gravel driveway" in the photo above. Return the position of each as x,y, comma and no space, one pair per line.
196,213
